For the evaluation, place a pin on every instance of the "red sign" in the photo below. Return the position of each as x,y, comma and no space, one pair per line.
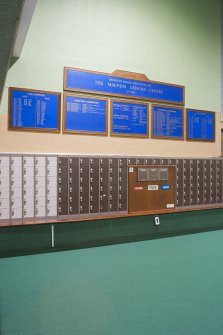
138,188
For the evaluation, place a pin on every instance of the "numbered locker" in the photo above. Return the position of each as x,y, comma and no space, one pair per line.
94,185
193,186
74,185
4,189
51,185
104,185
28,187
207,181
84,186
132,161
148,161
164,161
140,161
40,187
123,185
179,180
213,179
200,182
16,188
187,182
219,181
156,161
63,186
113,184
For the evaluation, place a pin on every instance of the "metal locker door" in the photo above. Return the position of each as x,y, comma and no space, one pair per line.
113,184
94,185
4,191
219,181
200,182
156,161
16,187
74,185
140,161
193,178
213,174
123,185
63,186
148,161
104,184
131,160
179,181
164,161
207,182
84,186
187,182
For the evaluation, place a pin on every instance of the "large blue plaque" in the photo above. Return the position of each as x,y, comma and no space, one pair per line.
101,83
34,110
167,122
200,125
129,118
86,115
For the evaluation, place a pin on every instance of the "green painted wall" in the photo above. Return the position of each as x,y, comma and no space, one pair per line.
160,287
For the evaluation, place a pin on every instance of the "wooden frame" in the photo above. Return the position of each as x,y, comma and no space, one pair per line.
83,132
29,129
174,138
123,134
187,125
131,76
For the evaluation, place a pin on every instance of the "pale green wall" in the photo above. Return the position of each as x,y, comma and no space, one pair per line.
173,41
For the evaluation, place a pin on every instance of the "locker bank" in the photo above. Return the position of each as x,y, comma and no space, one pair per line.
111,169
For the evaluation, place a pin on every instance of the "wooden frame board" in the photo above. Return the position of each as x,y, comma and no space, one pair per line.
172,109
34,102
125,104
85,104
126,87
200,112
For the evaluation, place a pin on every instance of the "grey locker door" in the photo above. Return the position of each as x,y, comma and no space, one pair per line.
104,184
148,161
207,182
140,161
94,185
200,182
113,184
193,186
179,180
84,185
187,182
123,185
219,181
63,185
213,173
132,160
74,185
156,161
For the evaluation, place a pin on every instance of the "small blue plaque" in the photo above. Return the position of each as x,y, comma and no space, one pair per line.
165,187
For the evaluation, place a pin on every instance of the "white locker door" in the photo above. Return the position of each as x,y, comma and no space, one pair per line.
4,214
4,161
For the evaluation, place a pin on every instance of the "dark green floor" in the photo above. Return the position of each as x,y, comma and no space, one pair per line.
171,286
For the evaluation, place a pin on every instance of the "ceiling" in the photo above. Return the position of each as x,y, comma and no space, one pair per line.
15,18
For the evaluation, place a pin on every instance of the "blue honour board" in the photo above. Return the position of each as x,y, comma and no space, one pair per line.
200,125
129,119
94,82
30,109
85,115
167,122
